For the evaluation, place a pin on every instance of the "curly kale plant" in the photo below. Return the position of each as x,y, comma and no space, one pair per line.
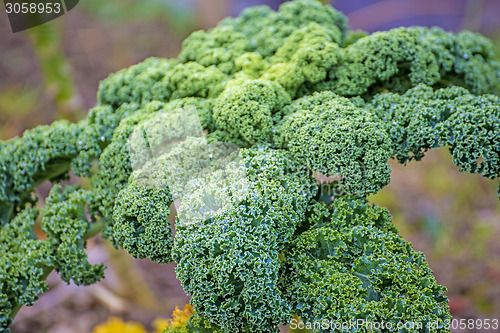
235,134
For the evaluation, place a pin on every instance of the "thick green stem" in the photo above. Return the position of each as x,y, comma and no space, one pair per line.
52,170
6,212
95,228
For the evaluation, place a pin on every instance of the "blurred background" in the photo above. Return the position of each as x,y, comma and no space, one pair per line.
52,72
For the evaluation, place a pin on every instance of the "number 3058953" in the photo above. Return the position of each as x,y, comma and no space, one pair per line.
33,8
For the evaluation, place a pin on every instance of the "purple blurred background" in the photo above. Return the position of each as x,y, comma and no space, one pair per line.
374,15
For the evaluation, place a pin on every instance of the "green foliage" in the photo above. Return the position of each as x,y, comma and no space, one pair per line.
230,263
160,80
305,57
248,111
268,30
199,324
404,57
116,163
352,265
258,240
423,119
324,125
141,223
21,265
46,152
26,260
64,222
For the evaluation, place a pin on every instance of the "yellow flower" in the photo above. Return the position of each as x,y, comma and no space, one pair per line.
179,319
159,324
116,325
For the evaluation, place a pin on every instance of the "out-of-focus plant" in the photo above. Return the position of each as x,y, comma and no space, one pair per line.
116,325
56,71
16,103
176,324
175,14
